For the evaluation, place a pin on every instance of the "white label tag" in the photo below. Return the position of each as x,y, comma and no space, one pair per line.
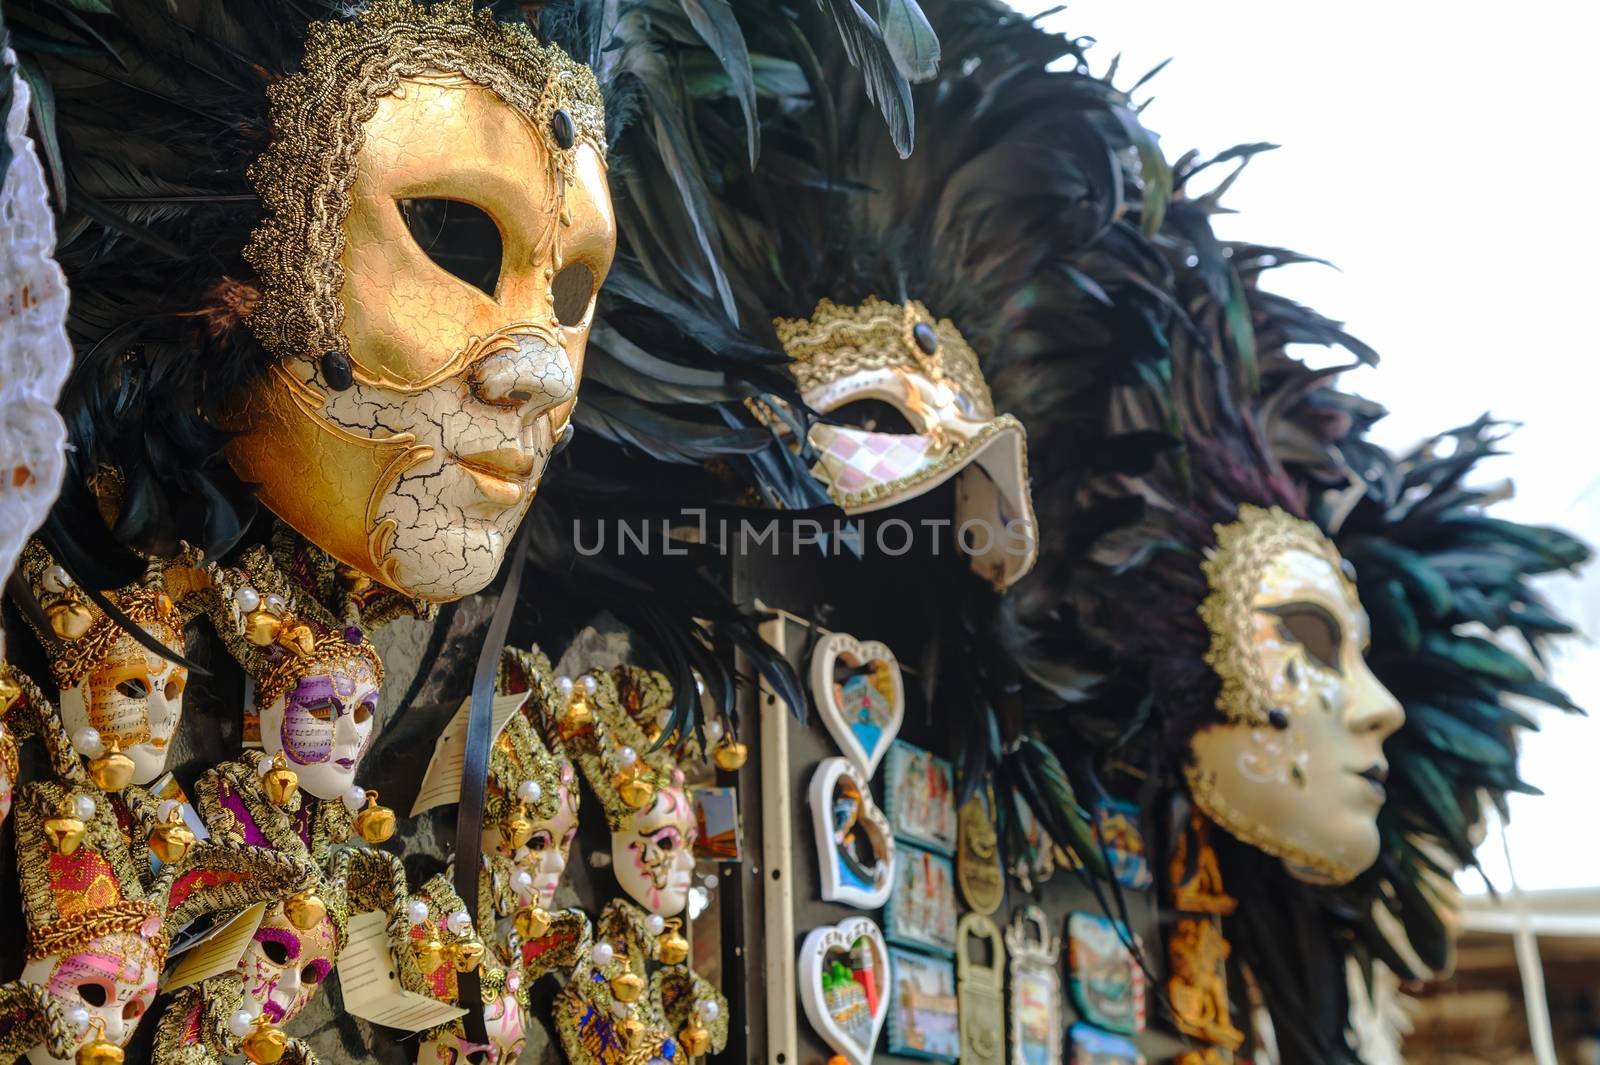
218,951
441,785
371,988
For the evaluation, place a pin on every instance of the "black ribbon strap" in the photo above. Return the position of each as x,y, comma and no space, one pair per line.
475,776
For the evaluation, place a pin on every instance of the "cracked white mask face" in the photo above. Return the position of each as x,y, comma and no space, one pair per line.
470,265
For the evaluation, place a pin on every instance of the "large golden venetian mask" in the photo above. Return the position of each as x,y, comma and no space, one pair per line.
1298,769
923,368
437,223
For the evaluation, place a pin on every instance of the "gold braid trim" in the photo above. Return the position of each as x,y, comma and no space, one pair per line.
1245,547
681,992
36,1017
330,822
595,750
31,715
331,652
873,335
304,177
250,875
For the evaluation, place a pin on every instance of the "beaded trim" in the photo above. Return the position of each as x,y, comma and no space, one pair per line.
1245,547
597,748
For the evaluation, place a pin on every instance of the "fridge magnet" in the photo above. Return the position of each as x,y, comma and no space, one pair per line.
1197,882
1198,982
920,788
1123,843
1036,1005
1106,981
980,984
855,847
924,1021
720,837
1091,1046
922,904
864,708
844,986
978,870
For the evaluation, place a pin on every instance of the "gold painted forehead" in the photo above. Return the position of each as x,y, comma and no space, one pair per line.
319,117
1247,548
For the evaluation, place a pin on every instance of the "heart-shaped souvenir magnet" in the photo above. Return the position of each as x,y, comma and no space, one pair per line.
855,845
864,711
844,986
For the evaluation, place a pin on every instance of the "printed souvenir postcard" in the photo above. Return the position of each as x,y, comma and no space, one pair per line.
924,1020
921,790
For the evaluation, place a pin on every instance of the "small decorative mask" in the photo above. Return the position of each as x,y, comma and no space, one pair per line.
415,400
1298,769
900,355
285,965
319,710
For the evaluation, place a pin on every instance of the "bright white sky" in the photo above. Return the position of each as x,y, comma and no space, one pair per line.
1443,156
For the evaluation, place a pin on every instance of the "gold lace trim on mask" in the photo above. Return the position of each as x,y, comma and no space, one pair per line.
304,177
1245,548
873,335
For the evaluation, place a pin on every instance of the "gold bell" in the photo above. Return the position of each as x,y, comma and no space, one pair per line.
694,1039
634,788
305,910
10,692
171,842
298,638
632,1029
431,955
532,922
516,831
627,987
730,754
99,1050
261,626
69,619
266,1043
469,955
671,947
282,784
375,823
65,831
579,716
112,770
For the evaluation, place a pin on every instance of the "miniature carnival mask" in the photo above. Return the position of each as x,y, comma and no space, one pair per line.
429,325
505,1029
318,709
120,702
531,808
648,807
899,355
95,940
285,965
1298,768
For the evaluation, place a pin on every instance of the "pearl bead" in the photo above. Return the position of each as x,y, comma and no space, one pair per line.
627,756
623,1010
78,1017
241,1023
275,604
247,598
86,741
164,811
655,924
83,806
529,791
354,798
602,954
263,765
459,922
564,685
522,882
590,685
56,580
710,1010
714,730
416,911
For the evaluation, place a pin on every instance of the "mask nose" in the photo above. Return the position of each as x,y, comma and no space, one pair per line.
1372,708
525,373
345,731
115,1029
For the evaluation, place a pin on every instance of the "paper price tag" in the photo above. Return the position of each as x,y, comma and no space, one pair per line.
441,785
218,951
371,988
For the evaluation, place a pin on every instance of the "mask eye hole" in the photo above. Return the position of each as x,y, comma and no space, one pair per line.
874,416
1313,628
570,291
460,238
134,688
95,995
277,953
